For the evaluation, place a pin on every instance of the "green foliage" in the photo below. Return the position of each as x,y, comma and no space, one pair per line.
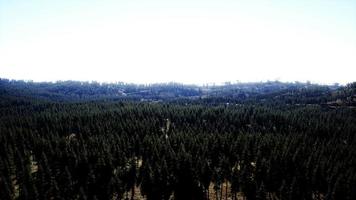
103,148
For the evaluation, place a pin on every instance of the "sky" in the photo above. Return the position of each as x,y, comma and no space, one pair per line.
187,41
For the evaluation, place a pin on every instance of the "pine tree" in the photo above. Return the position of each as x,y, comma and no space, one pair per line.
261,193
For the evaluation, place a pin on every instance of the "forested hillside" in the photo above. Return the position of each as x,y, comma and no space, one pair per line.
75,140
239,92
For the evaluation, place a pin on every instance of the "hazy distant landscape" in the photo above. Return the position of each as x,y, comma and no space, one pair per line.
178,100
268,140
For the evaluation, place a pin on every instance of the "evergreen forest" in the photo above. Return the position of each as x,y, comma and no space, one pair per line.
99,141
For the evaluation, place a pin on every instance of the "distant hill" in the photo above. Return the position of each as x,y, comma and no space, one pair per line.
274,92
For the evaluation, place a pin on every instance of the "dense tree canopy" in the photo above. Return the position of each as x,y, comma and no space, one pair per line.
72,140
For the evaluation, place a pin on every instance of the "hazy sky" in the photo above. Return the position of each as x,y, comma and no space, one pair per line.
186,41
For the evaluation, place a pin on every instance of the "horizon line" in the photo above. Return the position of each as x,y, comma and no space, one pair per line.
228,82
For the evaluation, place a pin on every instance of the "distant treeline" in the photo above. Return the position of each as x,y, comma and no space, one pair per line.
240,92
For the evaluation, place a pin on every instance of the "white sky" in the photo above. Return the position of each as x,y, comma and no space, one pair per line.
181,41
